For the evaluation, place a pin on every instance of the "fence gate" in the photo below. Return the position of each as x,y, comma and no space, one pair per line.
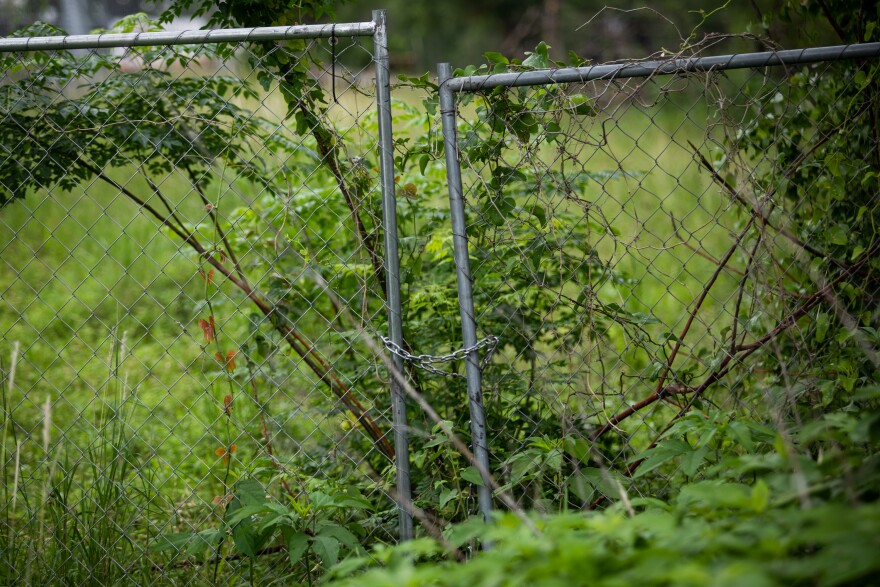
196,257
647,240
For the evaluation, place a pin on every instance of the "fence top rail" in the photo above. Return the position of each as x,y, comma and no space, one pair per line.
275,33
476,83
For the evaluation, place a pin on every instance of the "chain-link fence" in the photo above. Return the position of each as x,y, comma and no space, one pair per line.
192,259
200,253
650,242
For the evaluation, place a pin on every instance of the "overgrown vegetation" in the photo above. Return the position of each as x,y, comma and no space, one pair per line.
700,408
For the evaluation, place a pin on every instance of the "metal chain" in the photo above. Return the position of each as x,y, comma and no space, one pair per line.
427,362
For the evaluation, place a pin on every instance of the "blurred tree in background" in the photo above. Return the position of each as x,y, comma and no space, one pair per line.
460,31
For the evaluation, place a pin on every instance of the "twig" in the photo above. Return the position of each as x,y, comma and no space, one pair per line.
212,211
699,252
699,302
330,158
754,210
832,20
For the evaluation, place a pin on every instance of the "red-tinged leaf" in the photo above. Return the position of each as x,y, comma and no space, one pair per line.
227,404
223,500
220,451
207,327
228,361
209,277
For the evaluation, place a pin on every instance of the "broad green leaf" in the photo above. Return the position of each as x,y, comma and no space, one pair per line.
447,495
327,549
495,57
716,494
472,475
691,461
823,320
837,235
341,534
760,496
540,59
237,514
204,541
661,454
297,543
174,541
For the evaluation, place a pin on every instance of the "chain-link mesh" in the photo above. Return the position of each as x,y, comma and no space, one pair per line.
649,251
191,257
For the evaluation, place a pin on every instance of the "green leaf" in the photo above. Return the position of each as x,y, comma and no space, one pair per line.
237,514
576,60
174,541
691,461
740,433
823,320
662,453
760,496
466,531
204,541
539,213
341,534
447,495
833,163
643,319
540,59
246,538
472,475
837,235
495,57
582,106
250,500
297,543
867,393
717,494
352,502
606,482
327,549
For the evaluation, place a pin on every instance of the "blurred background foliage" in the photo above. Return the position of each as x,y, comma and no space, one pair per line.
460,31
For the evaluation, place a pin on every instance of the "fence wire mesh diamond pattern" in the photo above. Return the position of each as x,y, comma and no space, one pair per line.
647,249
190,265
194,285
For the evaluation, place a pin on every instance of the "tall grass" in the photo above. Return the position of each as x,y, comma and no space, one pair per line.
78,514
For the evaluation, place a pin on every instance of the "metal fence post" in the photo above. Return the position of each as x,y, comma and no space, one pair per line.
465,294
392,266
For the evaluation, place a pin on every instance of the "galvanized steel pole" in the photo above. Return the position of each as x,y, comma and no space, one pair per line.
197,37
392,273
476,83
465,293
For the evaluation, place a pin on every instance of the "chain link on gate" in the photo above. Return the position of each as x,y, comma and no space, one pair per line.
427,362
